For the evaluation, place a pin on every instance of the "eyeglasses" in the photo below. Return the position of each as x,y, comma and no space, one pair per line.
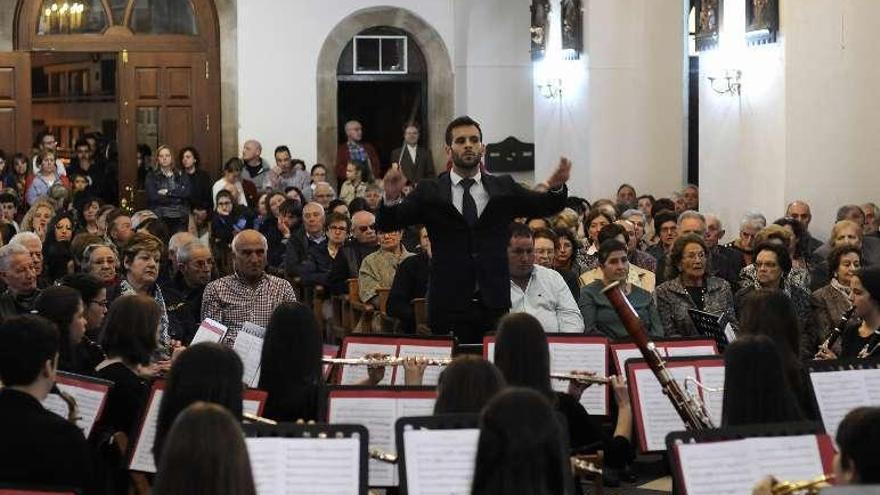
364,228
338,228
695,256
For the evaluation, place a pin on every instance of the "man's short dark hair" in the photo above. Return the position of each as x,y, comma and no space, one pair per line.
845,210
608,247
664,216
462,121
113,216
611,231
81,142
545,234
290,207
26,343
8,198
858,437
334,217
517,229
282,149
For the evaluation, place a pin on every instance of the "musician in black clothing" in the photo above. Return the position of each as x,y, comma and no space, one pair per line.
410,282
863,334
39,448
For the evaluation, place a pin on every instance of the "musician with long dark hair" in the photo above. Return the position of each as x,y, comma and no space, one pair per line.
861,338
756,390
523,356
466,385
521,448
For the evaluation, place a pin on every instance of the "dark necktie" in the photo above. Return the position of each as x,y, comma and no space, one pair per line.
468,205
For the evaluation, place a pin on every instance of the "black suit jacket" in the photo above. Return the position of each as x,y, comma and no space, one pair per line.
465,258
423,168
39,448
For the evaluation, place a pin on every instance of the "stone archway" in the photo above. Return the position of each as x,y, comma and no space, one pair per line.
440,77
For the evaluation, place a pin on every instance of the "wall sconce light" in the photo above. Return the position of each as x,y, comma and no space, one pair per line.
728,81
551,88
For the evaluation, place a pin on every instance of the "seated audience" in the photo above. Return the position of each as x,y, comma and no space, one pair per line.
844,232
94,298
800,211
756,388
285,174
870,245
249,294
129,340
567,246
724,262
373,196
411,282
281,228
749,226
305,240
101,260
78,245
17,272
347,263
323,194
523,357
637,276
773,264
466,385
169,267
119,228
599,316
638,257
357,176
545,255
48,175
36,220
34,245
230,181
689,286
291,371
63,306
832,301
185,291
315,269
39,447
666,228
204,372
205,453
538,290
775,234
587,255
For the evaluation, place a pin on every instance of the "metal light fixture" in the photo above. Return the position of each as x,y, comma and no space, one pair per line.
727,82
551,88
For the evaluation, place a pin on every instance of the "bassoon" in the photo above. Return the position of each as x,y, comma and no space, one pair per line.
690,409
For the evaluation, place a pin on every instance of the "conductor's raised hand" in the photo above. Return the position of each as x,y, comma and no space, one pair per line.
561,174
394,182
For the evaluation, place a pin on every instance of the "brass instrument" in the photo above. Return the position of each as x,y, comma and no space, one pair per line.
382,456
810,487
691,411
584,465
583,379
835,332
385,361
871,346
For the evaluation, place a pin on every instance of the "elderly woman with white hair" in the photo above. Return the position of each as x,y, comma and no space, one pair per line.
17,272
751,223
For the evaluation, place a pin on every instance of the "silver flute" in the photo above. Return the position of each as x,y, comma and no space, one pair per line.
385,361
584,379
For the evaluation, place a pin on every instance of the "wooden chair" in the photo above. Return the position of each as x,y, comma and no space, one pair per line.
319,296
387,324
360,314
420,309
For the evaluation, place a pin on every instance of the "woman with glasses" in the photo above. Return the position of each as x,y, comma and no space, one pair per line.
689,286
101,261
94,297
229,219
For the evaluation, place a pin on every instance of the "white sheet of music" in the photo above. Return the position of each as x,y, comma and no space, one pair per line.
440,462
565,358
697,350
432,373
624,354
713,377
351,375
658,415
491,352
839,392
142,460
88,402
209,331
249,347
319,466
378,416
707,467
250,406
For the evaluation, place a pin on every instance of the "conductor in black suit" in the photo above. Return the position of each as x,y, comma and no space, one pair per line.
415,161
467,214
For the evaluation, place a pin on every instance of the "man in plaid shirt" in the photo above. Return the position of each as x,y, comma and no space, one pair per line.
249,294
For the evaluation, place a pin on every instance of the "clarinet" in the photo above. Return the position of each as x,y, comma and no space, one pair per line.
692,413
835,332
871,346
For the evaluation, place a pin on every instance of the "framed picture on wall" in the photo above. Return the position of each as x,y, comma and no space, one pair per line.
762,21
572,29
708,14
540,28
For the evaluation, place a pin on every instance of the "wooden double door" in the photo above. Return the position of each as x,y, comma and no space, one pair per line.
163,98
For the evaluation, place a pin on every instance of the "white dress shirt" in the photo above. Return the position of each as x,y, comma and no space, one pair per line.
412,152
479,193
547,298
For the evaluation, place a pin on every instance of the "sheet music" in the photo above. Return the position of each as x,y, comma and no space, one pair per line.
88,403
250,406
440,462
713,377
565,358
624,354
351,375
142,459
707,467
209,331
839,392
320,466
249,347
658,415
696,350
432,373
378,416
490,354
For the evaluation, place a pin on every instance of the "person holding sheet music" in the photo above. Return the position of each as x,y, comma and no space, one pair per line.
38,447
523,357
204,372
290,370
832,301
205,453
521,448
863,333
857,460
466,385
64,307
599,316
129,339
689,285
756,388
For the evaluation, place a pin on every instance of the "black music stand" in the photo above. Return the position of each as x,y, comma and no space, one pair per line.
732,433
439,422
710,325
292,430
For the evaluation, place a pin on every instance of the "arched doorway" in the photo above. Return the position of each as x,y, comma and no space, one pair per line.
438,102
162,58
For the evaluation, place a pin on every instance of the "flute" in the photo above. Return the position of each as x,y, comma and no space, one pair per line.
386,361
584,379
